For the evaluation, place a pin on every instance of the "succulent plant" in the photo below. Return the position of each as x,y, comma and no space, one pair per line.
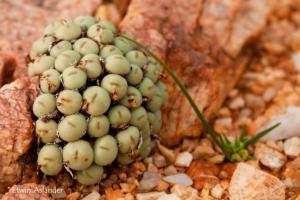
100,98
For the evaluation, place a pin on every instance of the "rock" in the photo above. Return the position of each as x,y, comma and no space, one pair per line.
188,145
289,123
269,157
269,94
291,174
217,159
159,161
291,147
16,130
108,11
171,170
8,63
184,159
180,43
127,187
149,181
149,195
227,170
167,153
169,197
296,60
112,194
185,193
92,196
217,191
222,124
152,168
203,173
248,183
254,101
162,186
203,151
73,196
180,179
128,196
237,103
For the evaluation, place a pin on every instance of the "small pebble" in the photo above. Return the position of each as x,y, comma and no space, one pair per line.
246,112
225,122
169,197
167,153
269,94
149,195
92,196
237,103
184,159
203,151
188,145
296,60
162,186
217,159
186,193
217,191
180,179
149,181
159,161
152,168
171,170
291,147
269,157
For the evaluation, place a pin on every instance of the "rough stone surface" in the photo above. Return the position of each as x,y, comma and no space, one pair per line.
291,173
269,157
203,173
291,147
16,129
249,183
202,48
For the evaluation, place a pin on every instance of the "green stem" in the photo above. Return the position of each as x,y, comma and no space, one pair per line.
208,128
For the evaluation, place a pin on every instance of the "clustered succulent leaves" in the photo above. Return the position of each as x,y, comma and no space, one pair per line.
100,98
236,150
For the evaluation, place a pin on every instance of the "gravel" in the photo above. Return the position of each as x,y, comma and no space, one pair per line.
180,179
184,159
291,147
269,157
149,181
169,197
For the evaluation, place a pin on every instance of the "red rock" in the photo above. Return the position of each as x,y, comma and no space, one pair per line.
113,194
199,47
291,173
203,173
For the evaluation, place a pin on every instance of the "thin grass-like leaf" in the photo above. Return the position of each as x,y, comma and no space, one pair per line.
208,128
259,135
230,149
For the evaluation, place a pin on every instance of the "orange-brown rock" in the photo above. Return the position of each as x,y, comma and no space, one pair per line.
203,173
16,129
202,42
